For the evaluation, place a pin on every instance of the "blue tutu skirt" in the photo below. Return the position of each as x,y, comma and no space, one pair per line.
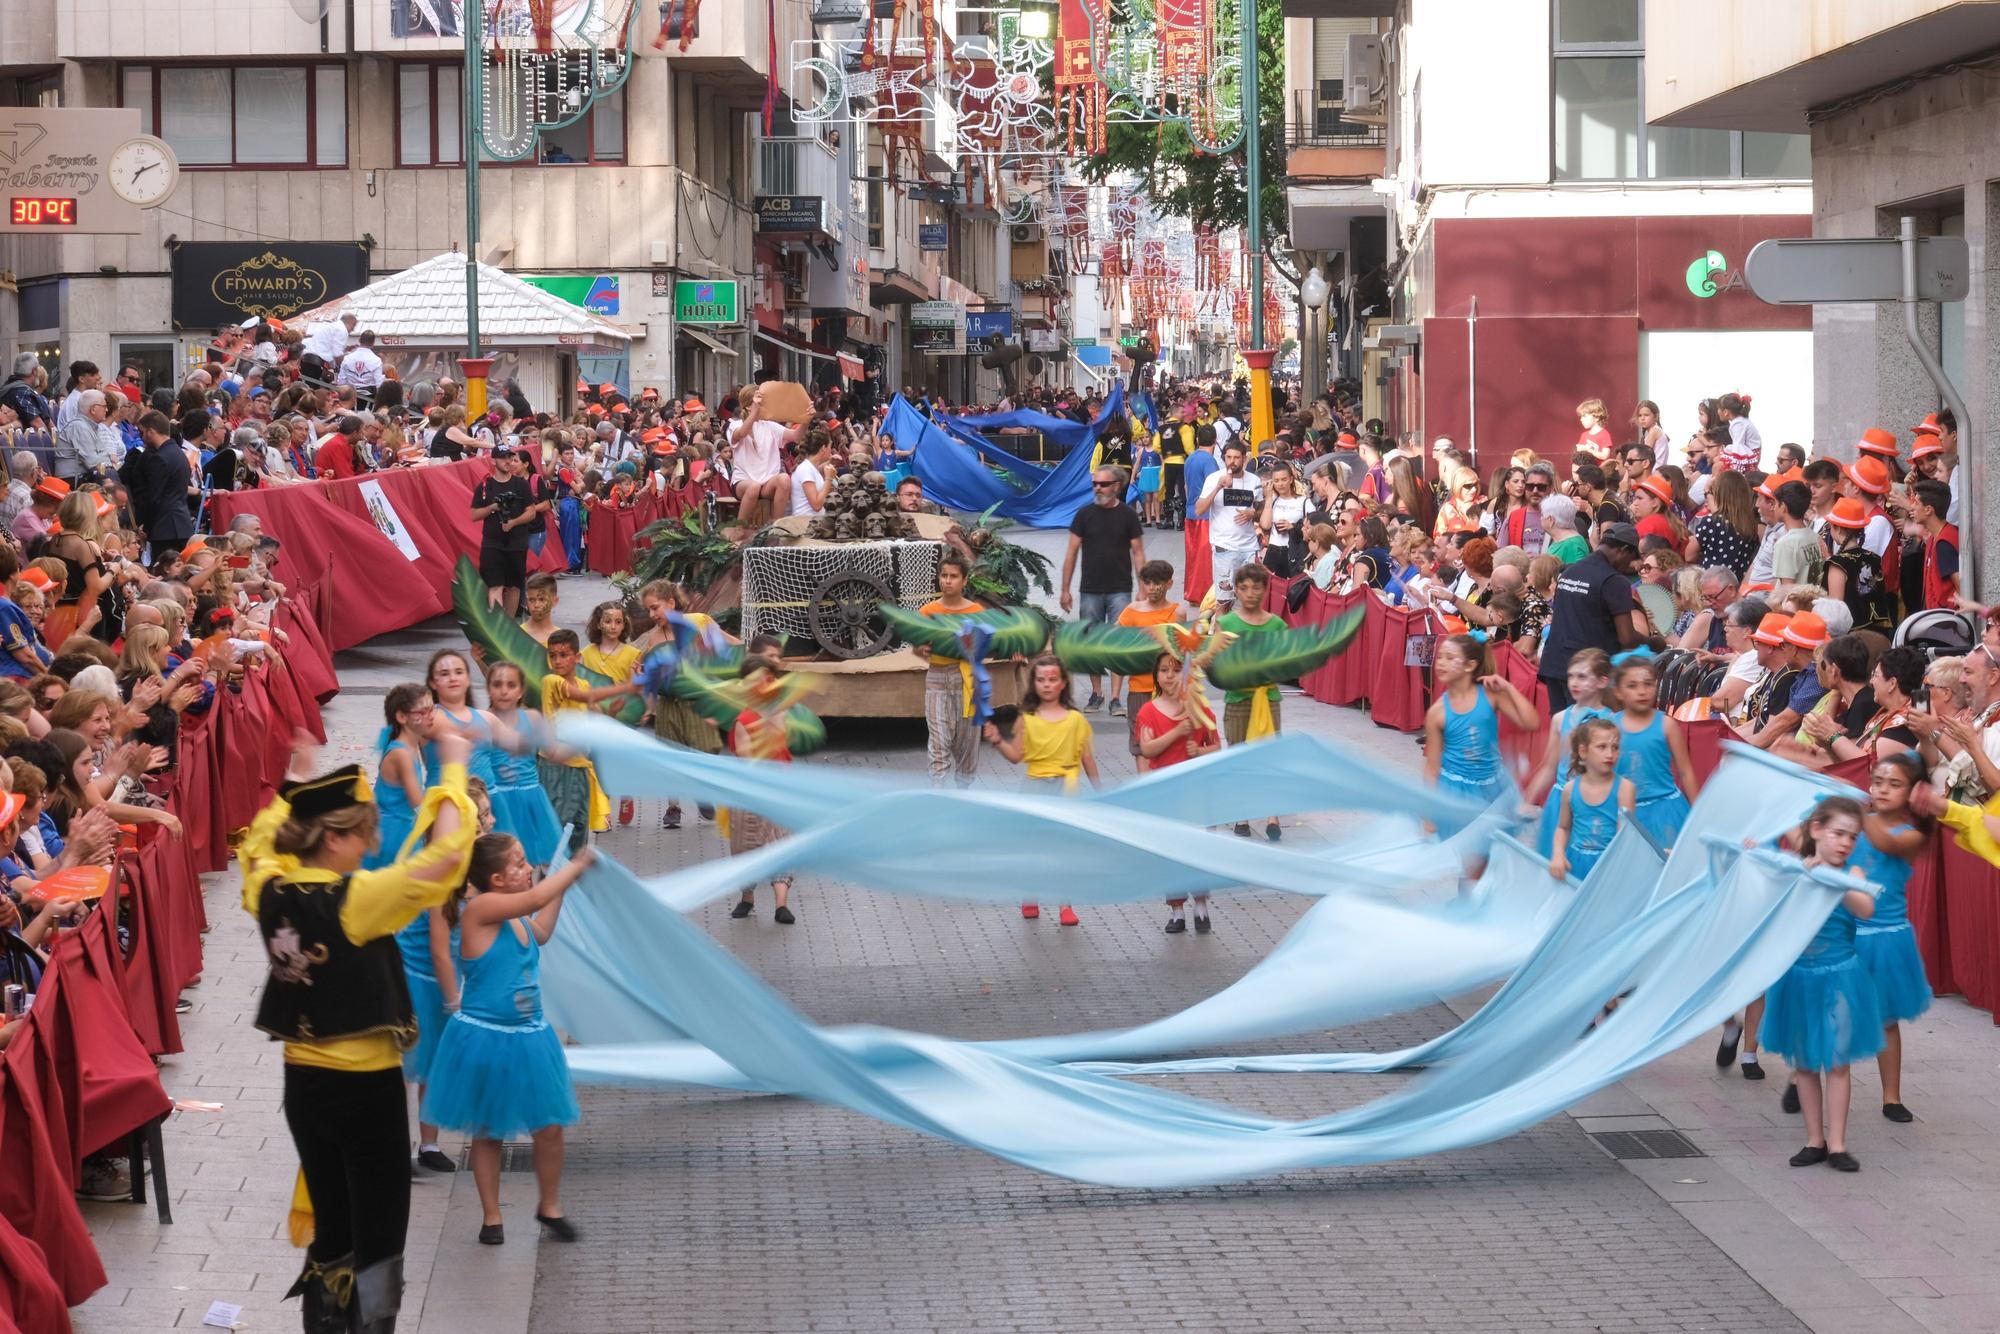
1662,818
1890,957
495,1082
1822,1016
395,826
427,1003
525,813
1481,794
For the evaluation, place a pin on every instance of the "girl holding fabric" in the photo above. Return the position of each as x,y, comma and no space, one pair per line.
674,719
753,736
500,1071
1589,804
1891,837
1169,734
1823,1015
1589,676
1653,753
337,998
1054,741
521,805
1462,729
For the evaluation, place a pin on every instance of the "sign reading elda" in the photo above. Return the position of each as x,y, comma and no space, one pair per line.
227,282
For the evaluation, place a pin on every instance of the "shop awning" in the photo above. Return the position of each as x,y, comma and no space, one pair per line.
793,343
850,366
715,345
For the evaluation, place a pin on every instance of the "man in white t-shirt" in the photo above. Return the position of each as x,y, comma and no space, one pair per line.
361,368
762,488
1230,501
328,341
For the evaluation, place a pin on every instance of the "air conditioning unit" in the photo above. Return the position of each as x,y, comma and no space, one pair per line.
1367,76
1025,233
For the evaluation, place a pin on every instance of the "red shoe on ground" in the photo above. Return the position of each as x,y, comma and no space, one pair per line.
1068,916
1031,911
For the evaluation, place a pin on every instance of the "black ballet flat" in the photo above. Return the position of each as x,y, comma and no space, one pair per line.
1812,1155
743,908
1752,1070
556,1229
1201,926
492,1234
1895,1111
1842,1162
1176,926
1790,1102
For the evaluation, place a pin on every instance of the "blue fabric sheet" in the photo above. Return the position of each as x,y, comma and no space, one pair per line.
1712,930
947,460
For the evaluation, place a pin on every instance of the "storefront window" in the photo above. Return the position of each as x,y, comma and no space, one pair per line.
250,115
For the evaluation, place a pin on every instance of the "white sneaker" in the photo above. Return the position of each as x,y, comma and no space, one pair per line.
104,1183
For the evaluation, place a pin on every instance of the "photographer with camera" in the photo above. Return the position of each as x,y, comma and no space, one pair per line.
509,513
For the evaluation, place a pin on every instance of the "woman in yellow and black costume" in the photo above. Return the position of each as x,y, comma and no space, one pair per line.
337,998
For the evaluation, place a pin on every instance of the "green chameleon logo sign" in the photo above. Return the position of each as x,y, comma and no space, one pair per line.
1711,274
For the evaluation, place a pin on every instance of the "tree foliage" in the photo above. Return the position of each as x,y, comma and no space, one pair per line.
1183,181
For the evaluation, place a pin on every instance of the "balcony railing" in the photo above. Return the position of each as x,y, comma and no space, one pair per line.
800,165
1317,123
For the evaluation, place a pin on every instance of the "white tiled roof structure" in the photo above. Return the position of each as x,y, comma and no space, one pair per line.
425,303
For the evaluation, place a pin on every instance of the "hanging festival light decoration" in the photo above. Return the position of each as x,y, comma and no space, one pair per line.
544,63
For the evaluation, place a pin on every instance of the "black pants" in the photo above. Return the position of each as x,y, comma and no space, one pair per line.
353,1136
1559,697
1173,489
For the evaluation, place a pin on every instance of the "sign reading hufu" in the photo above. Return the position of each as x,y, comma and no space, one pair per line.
227,282
703,301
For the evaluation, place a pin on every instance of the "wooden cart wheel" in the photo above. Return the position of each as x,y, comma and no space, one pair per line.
842,614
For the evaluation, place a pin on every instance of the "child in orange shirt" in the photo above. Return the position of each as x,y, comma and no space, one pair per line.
1152,608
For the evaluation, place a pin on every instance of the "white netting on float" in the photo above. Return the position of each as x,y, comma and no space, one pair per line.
779,583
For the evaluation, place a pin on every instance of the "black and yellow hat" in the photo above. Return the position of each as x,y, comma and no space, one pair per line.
315,797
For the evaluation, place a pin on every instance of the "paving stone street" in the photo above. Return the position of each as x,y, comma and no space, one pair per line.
710,1212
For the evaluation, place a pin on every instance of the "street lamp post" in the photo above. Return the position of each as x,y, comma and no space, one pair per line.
1313,294
1257,356
472,366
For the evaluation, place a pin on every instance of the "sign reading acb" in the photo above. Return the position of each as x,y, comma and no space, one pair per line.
80,172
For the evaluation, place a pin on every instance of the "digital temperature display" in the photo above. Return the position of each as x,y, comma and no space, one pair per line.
42,212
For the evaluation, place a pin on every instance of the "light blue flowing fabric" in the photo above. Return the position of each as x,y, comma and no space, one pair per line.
1689,961
1285,774
1710,931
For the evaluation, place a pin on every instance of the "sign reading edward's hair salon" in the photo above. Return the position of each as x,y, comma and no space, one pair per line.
227,282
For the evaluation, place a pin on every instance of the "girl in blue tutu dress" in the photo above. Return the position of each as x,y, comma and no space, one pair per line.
425,943
1890,839
499,1071
520,802
1653,753
1822,1016
1462,729
1589,676
449,676
1589,804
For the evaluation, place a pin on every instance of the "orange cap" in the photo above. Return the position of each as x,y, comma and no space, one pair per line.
1806,630
104,507
1928,426
1869,474
1927,446
35,577
1658,487
1875,440
193,549
1771,630
55,488
1848,513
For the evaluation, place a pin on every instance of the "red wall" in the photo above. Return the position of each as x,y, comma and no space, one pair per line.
1562,302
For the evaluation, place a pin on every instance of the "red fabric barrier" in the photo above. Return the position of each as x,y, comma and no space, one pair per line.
35,1190
27,1288
1925,894
1523,750
1970,930
1198,568
608,539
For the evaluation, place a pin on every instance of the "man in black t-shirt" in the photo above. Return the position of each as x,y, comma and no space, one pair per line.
1592,608
1111,539
505,506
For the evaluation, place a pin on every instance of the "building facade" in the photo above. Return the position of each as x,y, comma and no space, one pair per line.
1901,99
1539,243
727,251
